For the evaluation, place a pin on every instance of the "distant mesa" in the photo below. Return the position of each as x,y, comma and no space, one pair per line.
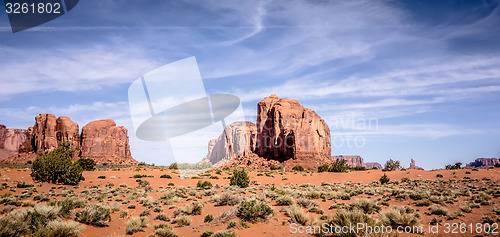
100,140
483,163
371,165
357,161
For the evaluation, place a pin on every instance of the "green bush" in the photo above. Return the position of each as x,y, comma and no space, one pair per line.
391,165
208,218
26,221
101,177
56,167
165,176
323,168
456,166
240,178
204,185
384,179
274,167
298,168
94,215
182,221
86,164
59,229
207,234
254,211
339,166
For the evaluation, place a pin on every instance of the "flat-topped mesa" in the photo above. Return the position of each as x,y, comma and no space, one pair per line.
288,132
104,142
238,139
371,165
483,163
353,161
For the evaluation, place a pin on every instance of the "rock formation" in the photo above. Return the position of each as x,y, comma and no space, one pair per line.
413,166
238,139
100,140
371,165
103,141
10,140
353,161
288,132
483,163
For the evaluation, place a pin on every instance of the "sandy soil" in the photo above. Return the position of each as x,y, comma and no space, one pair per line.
275,225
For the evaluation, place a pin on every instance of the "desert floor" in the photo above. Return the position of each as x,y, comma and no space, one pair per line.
454,191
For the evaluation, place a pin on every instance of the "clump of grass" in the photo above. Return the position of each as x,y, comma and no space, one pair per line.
496,210
306,203
254,211
94,215
284,200
400,216
68,204
59,228
421,203
466,208
227,215
367,206
136,224
297,215
438,210
207,233
194,208
224,233
226,198
165,231
165,176
162,217
204,185
354,217
182,221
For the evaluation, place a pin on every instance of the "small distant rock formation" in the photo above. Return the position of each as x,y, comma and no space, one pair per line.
103,142
353,161
413,166
100,140
238,139
371,165
288,132
483,163
10,140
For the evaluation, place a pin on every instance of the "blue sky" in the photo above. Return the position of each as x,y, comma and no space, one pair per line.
424,74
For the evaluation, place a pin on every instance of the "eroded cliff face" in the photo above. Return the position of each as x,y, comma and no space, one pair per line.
100,140
238,139
288,131
10,140
103,141
371,165
483,163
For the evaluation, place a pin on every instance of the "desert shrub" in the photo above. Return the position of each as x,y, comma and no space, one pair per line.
227,215
339,166
306,203
439,175
226,198
358,168
94,215
56,166
194,208
254,211
165,176
21,222
23,185
417,196
68,204
297,215
424,203
86,164
298,168
454,215
456,166
466,208
224,233
323,168
316,210
162,217
165,231
208,218
391,165
101,177
58,228
145,212
284,200
367,206
136,224
351,218
274,167
182,221
384,179
204,185
232,224
496,210
438,210
173,166
240,178
207,233
400,216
